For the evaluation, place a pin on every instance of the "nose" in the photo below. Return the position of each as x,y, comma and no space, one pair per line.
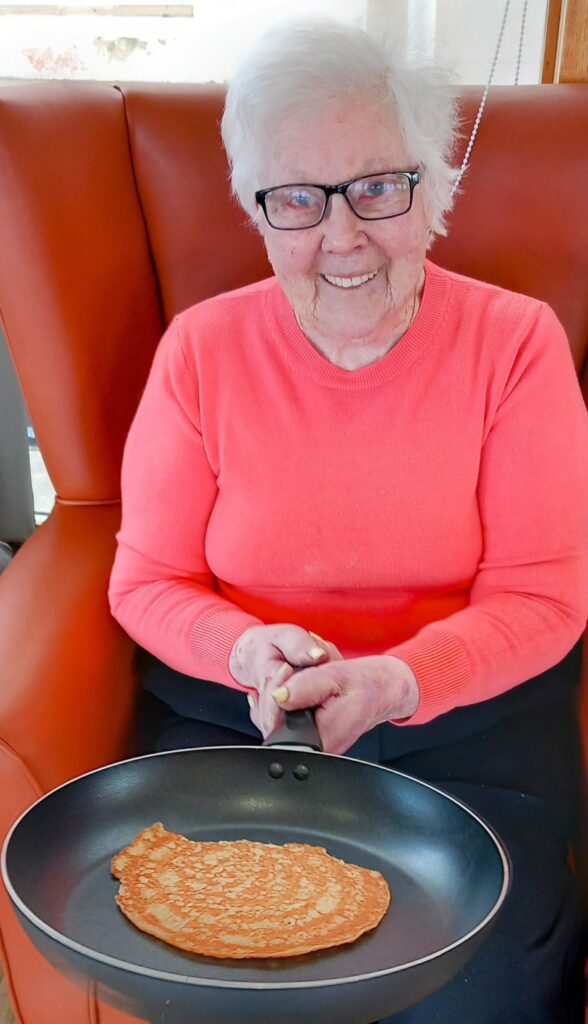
342,230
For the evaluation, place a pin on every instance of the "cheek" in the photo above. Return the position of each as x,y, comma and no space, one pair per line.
291,260
407,246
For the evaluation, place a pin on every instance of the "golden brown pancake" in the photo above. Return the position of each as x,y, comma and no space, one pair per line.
244,899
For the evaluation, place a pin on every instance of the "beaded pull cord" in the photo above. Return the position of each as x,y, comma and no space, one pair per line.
472,138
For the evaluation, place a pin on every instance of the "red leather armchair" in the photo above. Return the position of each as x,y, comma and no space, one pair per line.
115,215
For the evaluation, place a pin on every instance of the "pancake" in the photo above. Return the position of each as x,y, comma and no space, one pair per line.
245,899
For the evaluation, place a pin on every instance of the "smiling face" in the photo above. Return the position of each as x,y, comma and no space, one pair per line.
350,281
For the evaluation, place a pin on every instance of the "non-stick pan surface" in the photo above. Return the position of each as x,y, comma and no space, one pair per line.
447,872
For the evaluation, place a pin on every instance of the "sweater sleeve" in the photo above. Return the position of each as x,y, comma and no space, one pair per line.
529,599
162,591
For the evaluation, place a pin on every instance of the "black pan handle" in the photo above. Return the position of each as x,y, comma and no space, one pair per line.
298,730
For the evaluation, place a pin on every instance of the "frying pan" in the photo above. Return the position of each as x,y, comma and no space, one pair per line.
447,871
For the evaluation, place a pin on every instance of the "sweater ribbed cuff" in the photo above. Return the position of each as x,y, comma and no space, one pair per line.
442,670
214,635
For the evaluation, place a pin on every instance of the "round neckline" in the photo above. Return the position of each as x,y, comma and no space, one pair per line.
305,357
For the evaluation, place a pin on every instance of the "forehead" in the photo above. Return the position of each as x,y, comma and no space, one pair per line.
336,143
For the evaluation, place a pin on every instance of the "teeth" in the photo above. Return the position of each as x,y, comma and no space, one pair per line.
349,282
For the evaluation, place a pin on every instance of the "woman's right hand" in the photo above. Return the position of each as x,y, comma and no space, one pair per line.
264,657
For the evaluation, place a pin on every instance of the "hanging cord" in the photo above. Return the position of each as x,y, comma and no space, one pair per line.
522,36
464,162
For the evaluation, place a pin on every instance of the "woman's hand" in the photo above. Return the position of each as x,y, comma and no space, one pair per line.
351,696
264,657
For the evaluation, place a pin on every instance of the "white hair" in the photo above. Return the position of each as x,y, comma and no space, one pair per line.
305,64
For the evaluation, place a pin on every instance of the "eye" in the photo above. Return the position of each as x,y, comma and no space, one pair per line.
375,189
294,206
299,199
380,195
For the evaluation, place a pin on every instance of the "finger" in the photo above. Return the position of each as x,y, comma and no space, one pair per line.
276,677
310,688
317,638
333,652
266,715
272,720
339,729
254,657
274,672
252,700
263,682
299,647
339,724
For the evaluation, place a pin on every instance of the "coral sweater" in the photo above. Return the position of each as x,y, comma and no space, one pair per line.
432,505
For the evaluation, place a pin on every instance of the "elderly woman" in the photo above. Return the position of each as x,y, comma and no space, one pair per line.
361,486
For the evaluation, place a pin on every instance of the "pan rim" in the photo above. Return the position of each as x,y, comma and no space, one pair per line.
189,980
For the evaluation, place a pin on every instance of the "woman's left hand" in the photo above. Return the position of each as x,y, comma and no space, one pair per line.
350,697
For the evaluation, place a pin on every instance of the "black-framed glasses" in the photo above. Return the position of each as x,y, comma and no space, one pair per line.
373,197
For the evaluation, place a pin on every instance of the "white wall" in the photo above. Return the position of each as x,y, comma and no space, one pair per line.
206,46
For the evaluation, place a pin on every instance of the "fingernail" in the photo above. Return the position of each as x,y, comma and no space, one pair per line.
262,685
251,700
284,670
281,695
316,637
315,652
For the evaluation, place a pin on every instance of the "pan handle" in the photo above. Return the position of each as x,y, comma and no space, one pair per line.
298,730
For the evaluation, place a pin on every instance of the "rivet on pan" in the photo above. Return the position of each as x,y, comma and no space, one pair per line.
276,770
301,772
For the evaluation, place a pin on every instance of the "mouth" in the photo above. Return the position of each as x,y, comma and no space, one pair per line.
349,282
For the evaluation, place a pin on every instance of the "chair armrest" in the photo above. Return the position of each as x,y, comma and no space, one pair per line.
580,846
67,698
67,702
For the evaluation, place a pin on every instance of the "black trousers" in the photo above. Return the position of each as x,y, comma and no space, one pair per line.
516,760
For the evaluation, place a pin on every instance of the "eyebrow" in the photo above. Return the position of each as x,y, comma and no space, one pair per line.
382,167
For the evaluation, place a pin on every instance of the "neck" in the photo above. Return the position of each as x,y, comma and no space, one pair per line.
354,353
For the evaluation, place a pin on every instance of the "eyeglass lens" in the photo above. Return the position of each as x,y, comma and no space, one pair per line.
371,198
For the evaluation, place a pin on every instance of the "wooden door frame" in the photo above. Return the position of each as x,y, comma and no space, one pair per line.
565,57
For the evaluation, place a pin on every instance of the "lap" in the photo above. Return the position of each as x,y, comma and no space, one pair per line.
530,968
520,773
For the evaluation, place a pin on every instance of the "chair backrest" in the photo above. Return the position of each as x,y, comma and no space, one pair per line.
115,214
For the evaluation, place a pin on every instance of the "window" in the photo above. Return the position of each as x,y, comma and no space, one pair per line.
202,41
